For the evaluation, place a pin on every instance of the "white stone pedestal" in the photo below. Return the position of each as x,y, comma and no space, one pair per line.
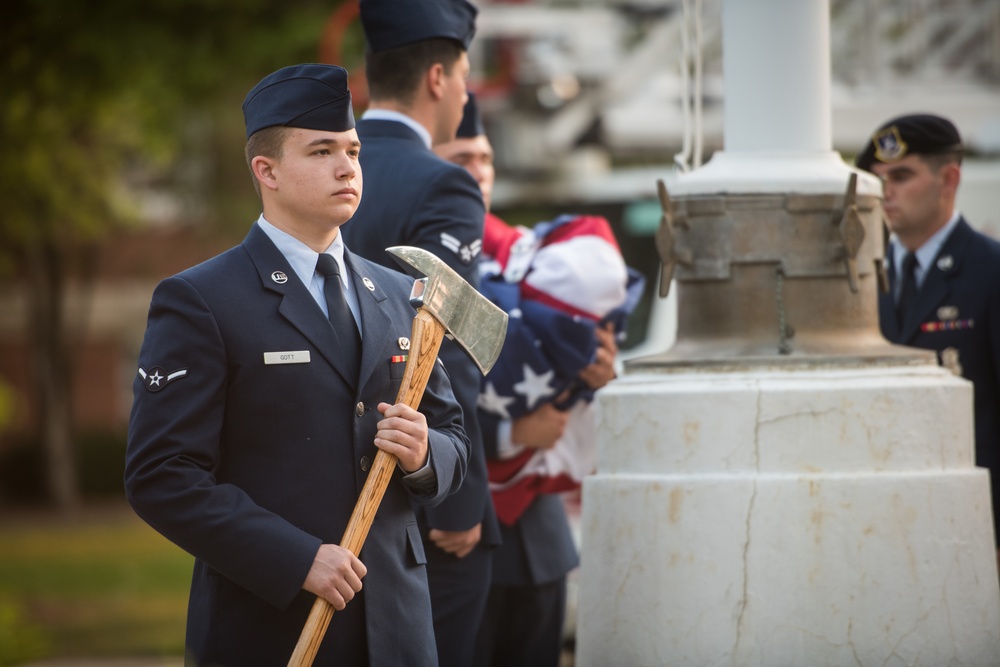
776,517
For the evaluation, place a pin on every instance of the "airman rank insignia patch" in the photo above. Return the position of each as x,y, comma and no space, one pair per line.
466,252
889,146
156,378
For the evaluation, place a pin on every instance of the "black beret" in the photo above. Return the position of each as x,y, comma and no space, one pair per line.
311,96
472,123
917,134
389,24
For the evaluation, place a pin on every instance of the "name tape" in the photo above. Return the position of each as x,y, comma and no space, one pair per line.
290,357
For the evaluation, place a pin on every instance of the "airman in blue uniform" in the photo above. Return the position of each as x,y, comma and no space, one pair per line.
262,397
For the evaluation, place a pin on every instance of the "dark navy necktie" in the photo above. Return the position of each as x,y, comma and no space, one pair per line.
344,325
909,288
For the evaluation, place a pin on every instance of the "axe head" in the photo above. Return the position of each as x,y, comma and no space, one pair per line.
469,318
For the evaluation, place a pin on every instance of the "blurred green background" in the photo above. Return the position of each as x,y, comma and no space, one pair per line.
101,585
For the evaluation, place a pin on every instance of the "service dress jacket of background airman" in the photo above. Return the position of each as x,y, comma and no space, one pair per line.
437,206
957,309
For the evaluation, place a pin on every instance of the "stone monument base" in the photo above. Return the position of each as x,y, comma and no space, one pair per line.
798,517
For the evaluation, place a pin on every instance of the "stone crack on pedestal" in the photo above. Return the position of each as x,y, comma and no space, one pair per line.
746,544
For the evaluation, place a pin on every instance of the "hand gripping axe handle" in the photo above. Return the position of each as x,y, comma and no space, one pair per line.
446,304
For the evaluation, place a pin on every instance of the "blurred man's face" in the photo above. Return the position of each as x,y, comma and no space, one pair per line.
476,155
916,197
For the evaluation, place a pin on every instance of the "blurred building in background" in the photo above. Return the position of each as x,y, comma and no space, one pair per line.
589,103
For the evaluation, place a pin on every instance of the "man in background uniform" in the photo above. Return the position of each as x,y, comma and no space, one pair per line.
944,275
526,611
416,62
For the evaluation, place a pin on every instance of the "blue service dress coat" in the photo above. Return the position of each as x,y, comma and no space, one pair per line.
958,307
249,462
413,197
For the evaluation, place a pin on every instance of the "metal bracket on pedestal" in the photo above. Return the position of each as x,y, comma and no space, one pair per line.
666,242
852,232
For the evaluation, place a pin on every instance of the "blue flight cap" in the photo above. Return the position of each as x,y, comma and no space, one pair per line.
472,122
311,96
913,134
389,24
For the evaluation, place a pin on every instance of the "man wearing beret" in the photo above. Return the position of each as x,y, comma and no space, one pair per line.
416,62
262,397
944,275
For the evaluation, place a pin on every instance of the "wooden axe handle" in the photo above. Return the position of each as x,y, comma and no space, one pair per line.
424,344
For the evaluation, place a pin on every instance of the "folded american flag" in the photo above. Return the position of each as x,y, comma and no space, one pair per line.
557,282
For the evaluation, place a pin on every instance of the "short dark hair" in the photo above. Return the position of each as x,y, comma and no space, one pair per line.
269,142
395,73
937,160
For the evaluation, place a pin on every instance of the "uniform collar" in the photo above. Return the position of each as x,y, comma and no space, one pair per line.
928,252
386,114
301,257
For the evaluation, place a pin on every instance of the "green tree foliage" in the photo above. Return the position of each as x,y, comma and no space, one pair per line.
100,100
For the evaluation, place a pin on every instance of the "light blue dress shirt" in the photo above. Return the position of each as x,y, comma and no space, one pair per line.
303,259
386,114
925,253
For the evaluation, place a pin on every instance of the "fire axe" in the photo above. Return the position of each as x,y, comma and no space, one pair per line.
446,304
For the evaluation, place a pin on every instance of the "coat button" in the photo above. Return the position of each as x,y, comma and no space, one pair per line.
359,409
366,463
